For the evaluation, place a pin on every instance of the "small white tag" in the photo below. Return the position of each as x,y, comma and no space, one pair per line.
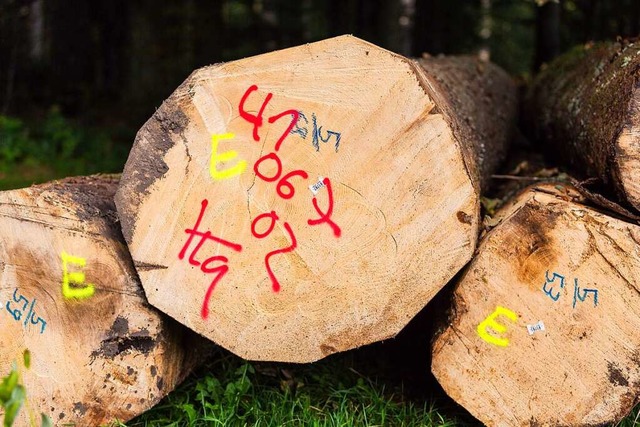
537,327
317,186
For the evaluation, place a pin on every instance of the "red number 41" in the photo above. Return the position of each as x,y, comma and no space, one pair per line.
208,265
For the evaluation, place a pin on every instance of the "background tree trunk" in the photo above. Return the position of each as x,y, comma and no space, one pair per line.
429,25
69,294
404,169
545,323
547,33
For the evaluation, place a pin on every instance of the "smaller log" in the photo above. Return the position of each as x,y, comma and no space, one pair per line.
585,108
69,294
545,324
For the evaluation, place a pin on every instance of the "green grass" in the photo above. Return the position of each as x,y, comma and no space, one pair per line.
633,420
232,392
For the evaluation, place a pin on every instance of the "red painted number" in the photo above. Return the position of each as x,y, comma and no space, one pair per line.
275,284
206,265
257,120
325,217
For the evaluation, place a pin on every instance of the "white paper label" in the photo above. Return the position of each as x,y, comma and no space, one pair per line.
317,186
534,328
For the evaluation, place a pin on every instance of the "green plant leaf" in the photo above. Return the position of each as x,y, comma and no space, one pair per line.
8,385
190,411
46,421
27,358
13,405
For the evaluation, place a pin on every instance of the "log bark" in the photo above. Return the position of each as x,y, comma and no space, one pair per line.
545,325
296,251
585,108
478,101
70,295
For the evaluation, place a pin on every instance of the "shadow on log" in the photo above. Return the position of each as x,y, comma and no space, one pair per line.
545,325
311,200
69,294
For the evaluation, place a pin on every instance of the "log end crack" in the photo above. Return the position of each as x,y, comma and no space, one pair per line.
144,266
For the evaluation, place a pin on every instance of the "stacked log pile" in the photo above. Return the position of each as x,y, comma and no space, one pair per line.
312,200
544,327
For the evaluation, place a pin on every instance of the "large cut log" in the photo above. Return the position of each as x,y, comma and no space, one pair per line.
70,295
585,107
310,200
545,324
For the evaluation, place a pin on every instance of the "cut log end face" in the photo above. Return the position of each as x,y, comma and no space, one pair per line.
68,294
627,153
547,325
310,202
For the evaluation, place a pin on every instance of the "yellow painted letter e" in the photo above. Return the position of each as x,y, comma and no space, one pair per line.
216,157
77,278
